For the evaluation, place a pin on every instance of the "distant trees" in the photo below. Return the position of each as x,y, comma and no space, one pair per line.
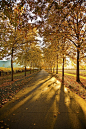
49,58
29,55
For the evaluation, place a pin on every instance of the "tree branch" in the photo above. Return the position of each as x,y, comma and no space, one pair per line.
72,41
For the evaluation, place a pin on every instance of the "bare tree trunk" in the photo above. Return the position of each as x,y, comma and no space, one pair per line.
59,1
12,65
33,69
57,65
63,72
30,67
53,69
77,71
25,70
30,70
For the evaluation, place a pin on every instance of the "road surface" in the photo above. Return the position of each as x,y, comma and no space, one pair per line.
42,104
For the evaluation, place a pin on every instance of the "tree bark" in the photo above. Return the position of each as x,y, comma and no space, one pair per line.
63,72
59,1
33,69
53,69
30,70
57,65
77,70
25,70
12,65
30,67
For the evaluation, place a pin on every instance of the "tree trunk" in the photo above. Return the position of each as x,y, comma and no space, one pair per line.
25,70
59,1
77,70
33,69
57,65
63,72
12,65
53,69
30,70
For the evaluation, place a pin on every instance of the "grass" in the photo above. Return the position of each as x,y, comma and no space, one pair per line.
70,81
15,75
9,88
73,74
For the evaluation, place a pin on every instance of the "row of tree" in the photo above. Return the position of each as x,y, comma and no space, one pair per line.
18,37
64,30
62,26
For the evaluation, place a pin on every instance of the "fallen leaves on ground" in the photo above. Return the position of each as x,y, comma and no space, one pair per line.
9,88
70,82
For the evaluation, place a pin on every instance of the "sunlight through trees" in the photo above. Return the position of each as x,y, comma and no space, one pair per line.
61,25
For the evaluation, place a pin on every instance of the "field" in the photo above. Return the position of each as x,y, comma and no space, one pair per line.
72,71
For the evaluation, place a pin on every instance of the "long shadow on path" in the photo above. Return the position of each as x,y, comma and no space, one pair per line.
46,106
62,121
71,115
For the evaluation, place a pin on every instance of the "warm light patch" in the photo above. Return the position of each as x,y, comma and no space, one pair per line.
82,103
58,82
53,79
65,90
57,87
46,88
67,101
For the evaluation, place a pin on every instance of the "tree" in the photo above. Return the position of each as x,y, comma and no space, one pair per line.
49,54
69,21
10,42
75,23
35,56
31,57
13,36
23,55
